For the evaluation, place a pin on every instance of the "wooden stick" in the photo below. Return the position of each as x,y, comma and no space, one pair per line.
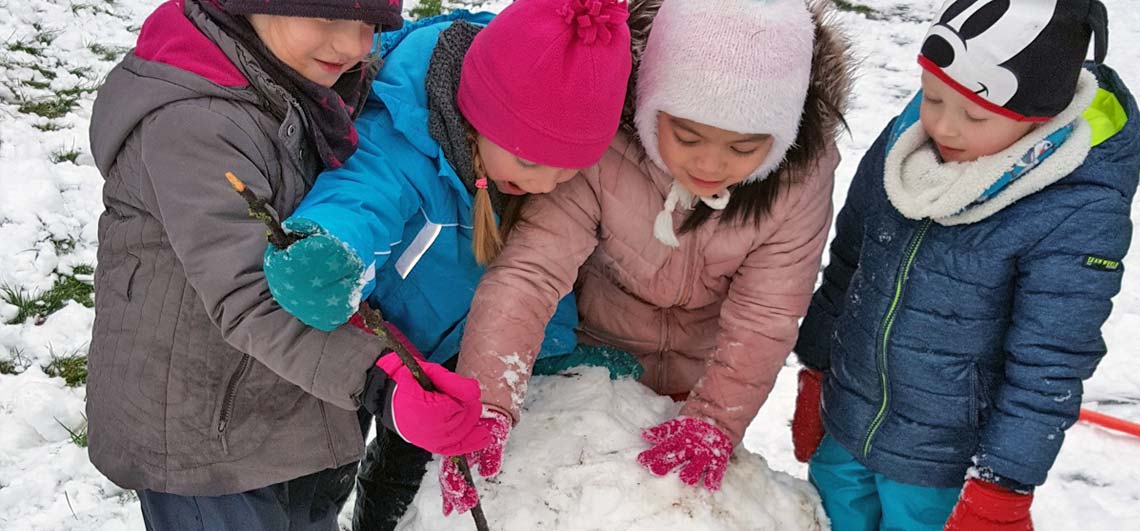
258,209
375,322
373,319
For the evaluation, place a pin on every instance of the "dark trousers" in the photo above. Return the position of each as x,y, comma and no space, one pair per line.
308,503
389,477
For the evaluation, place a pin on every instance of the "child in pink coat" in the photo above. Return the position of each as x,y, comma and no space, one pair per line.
695,244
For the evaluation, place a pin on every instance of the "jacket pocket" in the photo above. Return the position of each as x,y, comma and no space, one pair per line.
229,400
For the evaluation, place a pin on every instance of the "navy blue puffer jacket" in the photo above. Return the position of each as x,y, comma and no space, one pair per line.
942,344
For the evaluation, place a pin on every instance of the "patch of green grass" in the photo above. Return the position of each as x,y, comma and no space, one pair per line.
66,288
50,108
854,7
65,155
427,8
63,246
50,126
72,368
42,70
81,71
25,47
41,85
45,37
78,435
107,53
15,364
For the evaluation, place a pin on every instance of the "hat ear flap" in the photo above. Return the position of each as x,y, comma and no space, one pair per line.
1098,21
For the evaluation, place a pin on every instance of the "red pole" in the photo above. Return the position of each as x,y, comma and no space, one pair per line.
1110,422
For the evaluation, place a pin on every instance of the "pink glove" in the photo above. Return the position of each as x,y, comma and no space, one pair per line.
458,495
697,446
442,422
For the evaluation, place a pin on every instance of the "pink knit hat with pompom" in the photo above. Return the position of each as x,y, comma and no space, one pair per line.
546,79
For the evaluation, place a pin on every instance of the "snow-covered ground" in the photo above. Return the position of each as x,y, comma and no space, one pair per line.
52,52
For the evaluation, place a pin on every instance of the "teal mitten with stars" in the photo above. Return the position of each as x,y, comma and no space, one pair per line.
318,279
621,364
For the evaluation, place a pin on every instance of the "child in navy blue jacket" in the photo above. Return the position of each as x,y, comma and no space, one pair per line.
973,266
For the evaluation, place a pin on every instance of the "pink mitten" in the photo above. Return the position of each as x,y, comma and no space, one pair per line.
445,421
696,445
457,494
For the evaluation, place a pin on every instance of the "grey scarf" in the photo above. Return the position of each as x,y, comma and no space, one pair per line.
445,123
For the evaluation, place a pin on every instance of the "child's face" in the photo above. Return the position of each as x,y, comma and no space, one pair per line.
705,159
319,49
516,176
962,130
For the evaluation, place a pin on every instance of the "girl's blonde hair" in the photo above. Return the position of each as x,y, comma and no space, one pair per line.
487,240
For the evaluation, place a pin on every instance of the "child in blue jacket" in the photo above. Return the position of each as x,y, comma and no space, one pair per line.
972,269
468,114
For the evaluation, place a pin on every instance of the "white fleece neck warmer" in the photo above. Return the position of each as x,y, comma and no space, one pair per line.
921,186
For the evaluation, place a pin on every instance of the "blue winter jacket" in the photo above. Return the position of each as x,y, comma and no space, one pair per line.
398,203
945,343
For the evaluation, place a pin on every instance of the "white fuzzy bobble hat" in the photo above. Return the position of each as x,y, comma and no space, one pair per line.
739,65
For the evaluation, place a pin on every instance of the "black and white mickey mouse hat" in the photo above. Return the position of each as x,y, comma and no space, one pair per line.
1017,58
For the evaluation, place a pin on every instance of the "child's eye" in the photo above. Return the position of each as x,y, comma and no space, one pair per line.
973,119
684,141
743,152
525,163
930,100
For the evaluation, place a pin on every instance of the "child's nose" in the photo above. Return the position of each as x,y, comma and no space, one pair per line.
709,163
944,127
349,40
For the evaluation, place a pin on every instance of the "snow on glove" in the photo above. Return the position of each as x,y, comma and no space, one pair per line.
317,279
697,446
458,495
445,421
985,506
807,424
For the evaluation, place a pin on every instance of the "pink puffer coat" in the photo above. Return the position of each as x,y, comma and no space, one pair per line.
716,316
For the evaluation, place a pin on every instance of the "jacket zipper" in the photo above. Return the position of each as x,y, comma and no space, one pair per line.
328,433
667,316
228,401
889,320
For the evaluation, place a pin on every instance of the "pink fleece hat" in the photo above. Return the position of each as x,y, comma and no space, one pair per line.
546,79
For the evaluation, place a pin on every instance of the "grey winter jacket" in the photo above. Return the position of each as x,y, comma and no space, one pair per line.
199,383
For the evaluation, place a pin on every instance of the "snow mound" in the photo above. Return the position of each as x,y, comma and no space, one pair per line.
571,465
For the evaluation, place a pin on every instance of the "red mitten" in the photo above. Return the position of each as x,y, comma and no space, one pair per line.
985,506
458,495
807,424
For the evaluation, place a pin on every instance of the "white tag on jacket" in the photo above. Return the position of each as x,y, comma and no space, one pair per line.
416,250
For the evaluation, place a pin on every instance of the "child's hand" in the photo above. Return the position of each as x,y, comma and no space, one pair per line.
445,421
988,507
458,495
317,279
807,425
697,446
